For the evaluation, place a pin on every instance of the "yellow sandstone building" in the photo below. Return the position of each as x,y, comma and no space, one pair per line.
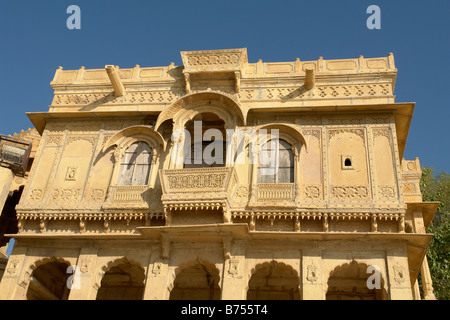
113,207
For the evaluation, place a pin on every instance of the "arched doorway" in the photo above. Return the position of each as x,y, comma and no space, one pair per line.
122,281
198,281
49,282
349,282
273,281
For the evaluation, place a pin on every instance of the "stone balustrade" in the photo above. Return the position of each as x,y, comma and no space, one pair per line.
276,192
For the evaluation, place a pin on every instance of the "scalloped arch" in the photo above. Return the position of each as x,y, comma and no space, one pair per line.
192,263
36,264
288,132
114,263
268,264
216,101
141,132
359,264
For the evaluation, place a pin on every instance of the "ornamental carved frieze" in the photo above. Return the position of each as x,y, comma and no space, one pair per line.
167,96
213,59
197,181
350,192
59,126
328,91
345,121
157,96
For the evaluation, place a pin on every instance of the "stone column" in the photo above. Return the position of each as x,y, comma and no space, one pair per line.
10,286
398,273
416,291
233,286
156,285
83,287
312,278
427,282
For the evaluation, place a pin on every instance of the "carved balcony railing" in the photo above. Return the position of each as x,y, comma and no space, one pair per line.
198,188
275,192
128,197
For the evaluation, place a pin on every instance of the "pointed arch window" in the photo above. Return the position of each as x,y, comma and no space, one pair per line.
135,165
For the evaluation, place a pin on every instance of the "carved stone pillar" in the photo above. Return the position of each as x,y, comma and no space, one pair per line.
85,271
427,282
398,273
416,291
233,286
158,270
312,285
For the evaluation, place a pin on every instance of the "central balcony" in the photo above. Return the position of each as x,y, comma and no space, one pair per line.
198,188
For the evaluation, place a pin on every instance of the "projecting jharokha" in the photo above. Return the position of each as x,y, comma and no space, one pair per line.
221,179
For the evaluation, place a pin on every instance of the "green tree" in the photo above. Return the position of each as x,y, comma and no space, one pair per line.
436,187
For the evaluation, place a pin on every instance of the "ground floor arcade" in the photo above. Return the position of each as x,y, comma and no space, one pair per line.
212,264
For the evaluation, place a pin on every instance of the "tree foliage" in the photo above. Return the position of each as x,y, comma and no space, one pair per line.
436,187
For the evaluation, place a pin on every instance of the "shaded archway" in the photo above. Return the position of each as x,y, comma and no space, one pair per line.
196,281
206,150
48,281
8,217
122,280
349,282
273,281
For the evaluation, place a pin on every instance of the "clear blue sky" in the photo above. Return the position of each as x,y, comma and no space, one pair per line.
35,41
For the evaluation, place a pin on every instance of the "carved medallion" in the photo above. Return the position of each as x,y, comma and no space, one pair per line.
233,267
311,273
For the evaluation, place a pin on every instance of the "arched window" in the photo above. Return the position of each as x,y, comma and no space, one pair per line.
135,165
279,164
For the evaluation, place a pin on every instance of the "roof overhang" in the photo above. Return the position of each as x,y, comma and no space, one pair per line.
40,119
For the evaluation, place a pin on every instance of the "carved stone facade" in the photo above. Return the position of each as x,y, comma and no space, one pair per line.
341,201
